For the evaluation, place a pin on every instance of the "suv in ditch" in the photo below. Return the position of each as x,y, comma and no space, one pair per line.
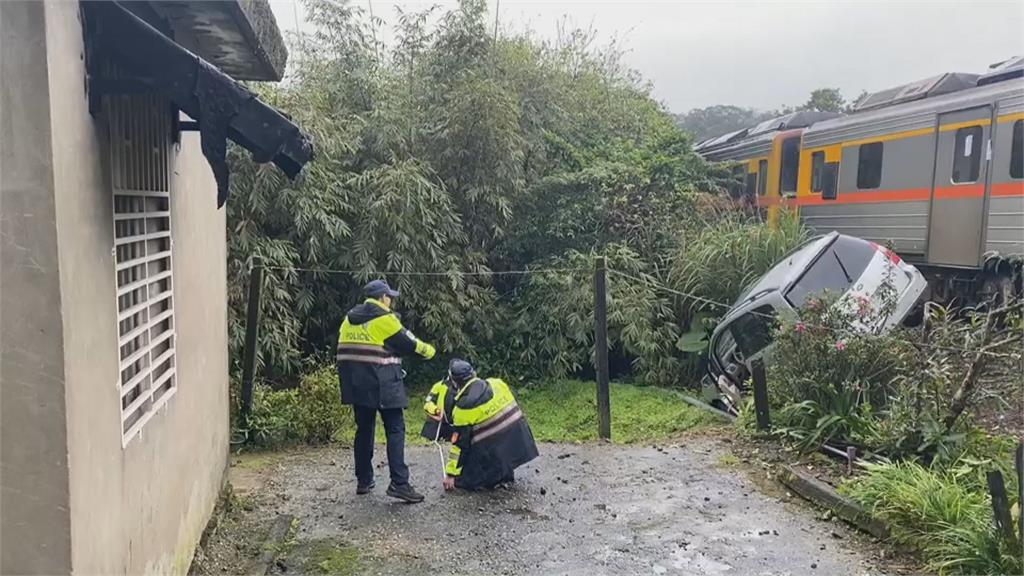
838,264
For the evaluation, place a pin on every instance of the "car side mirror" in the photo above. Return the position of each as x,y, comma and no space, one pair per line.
829,181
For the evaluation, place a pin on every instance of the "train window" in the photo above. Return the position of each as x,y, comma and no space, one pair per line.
738,176
869,165
790,166
1017,151
762,177
817,164
830,181
967,155
751,189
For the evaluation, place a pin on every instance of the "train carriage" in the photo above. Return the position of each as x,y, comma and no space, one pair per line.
933,168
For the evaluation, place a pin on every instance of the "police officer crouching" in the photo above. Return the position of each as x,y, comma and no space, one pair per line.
490,435
370,341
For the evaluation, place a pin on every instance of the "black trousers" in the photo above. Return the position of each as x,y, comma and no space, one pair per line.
394,429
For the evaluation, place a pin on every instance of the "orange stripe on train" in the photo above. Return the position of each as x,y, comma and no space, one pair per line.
904,195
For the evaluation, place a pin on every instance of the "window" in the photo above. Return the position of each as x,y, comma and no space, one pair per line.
967,155
754,330
834,271
751,185
140,131
869,165
817,164
830,181
762,177
738,176
790,166
1017,151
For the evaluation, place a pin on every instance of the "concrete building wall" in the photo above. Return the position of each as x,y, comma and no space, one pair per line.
35,533
140,508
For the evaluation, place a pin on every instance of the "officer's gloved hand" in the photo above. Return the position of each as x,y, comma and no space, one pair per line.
425,350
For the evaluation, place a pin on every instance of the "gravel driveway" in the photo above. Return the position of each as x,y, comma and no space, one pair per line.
587,509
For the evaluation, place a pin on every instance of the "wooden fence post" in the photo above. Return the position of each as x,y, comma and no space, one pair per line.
1001,506
761,395
252,328
604,414
1019,464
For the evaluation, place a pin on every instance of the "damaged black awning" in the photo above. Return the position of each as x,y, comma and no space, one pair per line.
223,107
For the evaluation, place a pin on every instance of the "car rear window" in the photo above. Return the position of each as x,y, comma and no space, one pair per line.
834,271
754,330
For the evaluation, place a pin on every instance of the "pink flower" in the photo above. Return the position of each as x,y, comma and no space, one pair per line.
841,345
800,327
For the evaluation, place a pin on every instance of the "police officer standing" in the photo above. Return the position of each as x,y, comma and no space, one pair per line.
370,341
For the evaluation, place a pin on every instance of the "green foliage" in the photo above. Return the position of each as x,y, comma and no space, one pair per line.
826,100
330,558
552,333
720,119
718,261
455,152
310,413
963,357
558,411
566,411
830,378
944,514
897,393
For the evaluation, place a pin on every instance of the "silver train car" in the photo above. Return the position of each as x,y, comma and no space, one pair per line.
934,168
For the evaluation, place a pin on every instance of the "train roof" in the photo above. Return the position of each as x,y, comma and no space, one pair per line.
916,114
752,142
1006,70
907,107
927,88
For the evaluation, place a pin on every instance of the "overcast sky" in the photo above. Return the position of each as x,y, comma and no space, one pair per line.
765,54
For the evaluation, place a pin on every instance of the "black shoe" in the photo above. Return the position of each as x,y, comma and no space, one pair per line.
405,492
365,488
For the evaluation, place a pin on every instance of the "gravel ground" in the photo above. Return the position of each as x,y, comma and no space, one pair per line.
674,508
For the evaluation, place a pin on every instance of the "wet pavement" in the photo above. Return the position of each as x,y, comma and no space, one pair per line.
578,509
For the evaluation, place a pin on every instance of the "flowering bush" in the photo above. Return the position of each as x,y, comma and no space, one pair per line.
821,357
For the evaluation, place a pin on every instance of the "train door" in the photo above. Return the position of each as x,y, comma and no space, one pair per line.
959,187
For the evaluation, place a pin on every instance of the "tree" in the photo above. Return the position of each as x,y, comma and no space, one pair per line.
447,155
719,119
825,100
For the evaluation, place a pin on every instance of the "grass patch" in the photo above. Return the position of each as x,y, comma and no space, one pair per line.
944,515
566,411
558,411
333,558
728,460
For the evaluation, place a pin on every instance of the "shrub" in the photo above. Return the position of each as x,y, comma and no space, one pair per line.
552,332
829,380
943,515
961,357
311,413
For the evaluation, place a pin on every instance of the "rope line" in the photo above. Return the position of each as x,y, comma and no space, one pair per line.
837,331
840,332
418,273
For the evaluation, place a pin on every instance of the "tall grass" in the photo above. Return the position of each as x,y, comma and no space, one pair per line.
721,260
946,516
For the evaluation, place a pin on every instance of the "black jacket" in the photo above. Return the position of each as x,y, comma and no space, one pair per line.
492,437
369,342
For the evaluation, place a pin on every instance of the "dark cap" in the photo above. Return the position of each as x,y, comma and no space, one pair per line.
460,370
378,288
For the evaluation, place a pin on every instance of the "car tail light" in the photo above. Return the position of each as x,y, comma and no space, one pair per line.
893,257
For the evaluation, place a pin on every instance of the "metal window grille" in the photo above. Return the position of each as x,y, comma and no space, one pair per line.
140,152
